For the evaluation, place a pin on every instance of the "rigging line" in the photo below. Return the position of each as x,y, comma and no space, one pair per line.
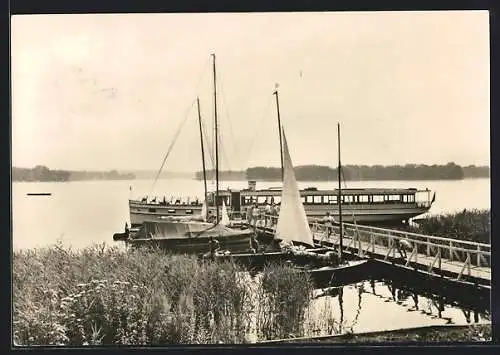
209,147
176,135
252,142
345,186
226,111
224,156
182,124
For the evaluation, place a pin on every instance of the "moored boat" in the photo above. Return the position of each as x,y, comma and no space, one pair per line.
189,237
191,233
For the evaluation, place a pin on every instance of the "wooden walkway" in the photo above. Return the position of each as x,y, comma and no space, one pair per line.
455,259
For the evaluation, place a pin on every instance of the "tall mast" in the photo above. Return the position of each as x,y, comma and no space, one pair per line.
279,129
216,146
202,150
339,197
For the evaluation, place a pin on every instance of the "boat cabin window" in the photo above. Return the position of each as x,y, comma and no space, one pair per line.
331,199
347,199
363,199
378,198
318,199
309,200
408,198
393,198
261,199
171,211
248,200
152,210
189,211
277,199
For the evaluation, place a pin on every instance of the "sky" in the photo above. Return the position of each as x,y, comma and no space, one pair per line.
109,91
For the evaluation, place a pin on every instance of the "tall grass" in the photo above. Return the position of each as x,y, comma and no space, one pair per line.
473,225
102,295
283,299
105,296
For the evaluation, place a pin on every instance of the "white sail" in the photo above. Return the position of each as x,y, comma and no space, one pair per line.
204,211
292,221
225,217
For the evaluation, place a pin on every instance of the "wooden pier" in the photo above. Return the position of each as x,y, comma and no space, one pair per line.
453,259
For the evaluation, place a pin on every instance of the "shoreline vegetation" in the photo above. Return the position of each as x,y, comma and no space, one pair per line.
104,295
472,225
450,171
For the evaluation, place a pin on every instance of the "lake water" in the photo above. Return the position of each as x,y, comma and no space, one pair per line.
378,306
83,212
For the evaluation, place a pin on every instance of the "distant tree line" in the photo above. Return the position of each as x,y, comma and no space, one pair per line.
450,171
42,173
228,175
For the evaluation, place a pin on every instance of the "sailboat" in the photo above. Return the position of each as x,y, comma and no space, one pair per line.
188,234
297,240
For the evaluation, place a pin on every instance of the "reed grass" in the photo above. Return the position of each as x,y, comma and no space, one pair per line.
283,299
472,225
103,296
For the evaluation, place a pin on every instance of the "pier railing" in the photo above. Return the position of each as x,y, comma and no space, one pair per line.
363,239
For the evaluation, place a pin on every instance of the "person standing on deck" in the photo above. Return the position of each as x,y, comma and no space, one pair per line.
254,244
255,214
273,214
213,246
249,215
265,214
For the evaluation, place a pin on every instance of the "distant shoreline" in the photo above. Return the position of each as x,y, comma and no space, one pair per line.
309,173
244,180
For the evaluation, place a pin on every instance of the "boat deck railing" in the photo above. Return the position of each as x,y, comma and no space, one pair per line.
461,257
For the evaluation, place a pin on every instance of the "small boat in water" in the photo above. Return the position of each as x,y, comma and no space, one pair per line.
188,237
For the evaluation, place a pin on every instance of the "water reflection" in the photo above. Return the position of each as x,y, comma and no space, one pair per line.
377,306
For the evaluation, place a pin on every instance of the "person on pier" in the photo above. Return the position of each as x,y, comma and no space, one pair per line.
404,245
329,221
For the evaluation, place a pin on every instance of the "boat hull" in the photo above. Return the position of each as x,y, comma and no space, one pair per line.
194,245
141,212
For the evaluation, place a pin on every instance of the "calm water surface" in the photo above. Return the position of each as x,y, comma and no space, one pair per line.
81,213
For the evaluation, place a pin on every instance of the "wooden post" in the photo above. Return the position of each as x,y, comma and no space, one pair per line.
451,251
428,246
468,263
372,240
465,265
431,267
388,252
439,258
478,257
